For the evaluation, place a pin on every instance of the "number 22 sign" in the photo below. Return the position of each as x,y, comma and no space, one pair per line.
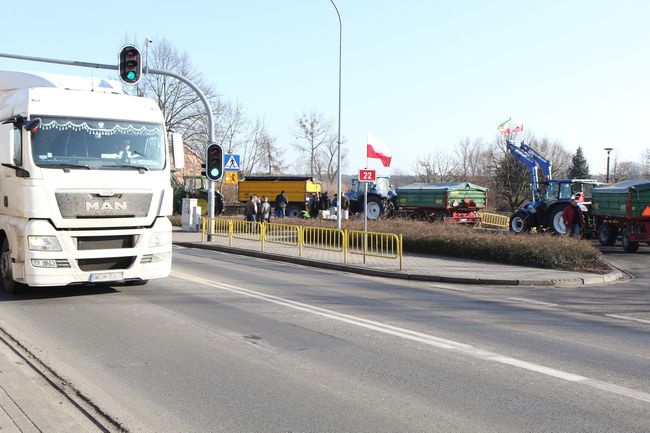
366,175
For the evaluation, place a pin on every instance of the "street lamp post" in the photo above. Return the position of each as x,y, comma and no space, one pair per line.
608,149
338,141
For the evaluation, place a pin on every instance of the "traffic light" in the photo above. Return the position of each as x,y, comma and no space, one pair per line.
214,161
130,64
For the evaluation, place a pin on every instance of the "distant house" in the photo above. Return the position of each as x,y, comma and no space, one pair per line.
193,166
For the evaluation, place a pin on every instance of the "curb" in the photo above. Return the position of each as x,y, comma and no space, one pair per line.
571,282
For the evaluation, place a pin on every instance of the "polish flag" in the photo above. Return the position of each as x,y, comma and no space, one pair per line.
518,128
377,149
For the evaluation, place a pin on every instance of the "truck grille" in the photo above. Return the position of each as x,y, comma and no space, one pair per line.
105,263
105,242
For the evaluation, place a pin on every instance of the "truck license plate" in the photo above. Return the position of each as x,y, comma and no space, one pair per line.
109,276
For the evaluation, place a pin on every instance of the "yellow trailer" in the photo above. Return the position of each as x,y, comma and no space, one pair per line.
297,188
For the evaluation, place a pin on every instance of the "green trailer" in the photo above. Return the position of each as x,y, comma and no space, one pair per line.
622,209
449,201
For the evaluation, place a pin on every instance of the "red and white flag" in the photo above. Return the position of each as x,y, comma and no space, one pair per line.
377,149
518,128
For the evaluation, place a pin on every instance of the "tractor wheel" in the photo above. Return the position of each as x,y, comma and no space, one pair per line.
375,208
554,220
628,245
6,273
607,234
519,222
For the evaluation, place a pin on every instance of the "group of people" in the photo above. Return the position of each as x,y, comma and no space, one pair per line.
257,209
320,202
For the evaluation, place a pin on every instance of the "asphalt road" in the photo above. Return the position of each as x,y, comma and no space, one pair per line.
237,344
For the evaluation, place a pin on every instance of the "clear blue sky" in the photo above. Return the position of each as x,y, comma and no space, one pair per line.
419,75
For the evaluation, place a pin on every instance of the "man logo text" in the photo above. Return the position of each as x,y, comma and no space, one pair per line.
106,205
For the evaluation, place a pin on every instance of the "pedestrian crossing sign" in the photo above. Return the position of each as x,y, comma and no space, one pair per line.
232,163
231,177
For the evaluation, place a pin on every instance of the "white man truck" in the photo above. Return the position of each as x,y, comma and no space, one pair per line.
84,183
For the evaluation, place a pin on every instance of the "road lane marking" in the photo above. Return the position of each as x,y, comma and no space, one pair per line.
534,302
633,319
428,339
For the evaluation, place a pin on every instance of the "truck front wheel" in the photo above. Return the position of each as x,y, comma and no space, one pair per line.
519,222
6,273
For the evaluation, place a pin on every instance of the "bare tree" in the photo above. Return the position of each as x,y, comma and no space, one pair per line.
553,151
645,163
471,159
327,159
313,132
183,109
625,170
434,167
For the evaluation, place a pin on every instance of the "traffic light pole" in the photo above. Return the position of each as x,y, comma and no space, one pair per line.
146,70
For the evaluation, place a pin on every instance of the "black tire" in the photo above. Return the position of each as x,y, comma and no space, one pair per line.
375,208
293,211
519,222
607,234
554,220
628,245
6,273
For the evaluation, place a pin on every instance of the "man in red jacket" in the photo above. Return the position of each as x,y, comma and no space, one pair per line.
573,218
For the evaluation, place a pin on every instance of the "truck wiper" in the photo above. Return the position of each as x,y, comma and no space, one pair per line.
140,168
66,167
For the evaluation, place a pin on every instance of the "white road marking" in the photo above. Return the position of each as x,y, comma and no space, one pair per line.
428,339
633,319
534,302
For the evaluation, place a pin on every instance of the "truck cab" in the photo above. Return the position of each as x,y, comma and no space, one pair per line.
85,183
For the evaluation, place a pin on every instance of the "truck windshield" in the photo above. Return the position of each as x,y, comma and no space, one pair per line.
66,142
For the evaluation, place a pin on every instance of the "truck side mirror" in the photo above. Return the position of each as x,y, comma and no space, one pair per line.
178,150
7,149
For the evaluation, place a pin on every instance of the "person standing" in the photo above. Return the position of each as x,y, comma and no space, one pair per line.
281,203
573,218
265,211
250,209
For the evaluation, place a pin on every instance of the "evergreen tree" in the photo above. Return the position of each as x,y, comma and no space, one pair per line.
579,166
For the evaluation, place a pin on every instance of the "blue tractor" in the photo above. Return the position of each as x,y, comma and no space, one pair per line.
550,197
380,197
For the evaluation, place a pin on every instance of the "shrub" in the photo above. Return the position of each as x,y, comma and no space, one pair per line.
533,249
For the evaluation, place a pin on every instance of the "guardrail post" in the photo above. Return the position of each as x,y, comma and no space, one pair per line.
400,248
230,232
345,246
262,234
301,239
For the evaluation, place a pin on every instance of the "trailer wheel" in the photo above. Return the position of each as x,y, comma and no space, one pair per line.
555,221
519,222
628,245
607,234
375,208
6,273
293,211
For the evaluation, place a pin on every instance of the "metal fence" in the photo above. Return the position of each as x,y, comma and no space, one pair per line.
494,220
347,242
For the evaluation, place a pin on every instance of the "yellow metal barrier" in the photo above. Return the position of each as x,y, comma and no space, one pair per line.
494,220
284,234
320,238
248,230
384,245
374,244
215,227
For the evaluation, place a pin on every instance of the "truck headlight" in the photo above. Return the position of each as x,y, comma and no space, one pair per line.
43,243
160,239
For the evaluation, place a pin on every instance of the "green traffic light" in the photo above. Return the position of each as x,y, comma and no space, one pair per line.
130,75
214,172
